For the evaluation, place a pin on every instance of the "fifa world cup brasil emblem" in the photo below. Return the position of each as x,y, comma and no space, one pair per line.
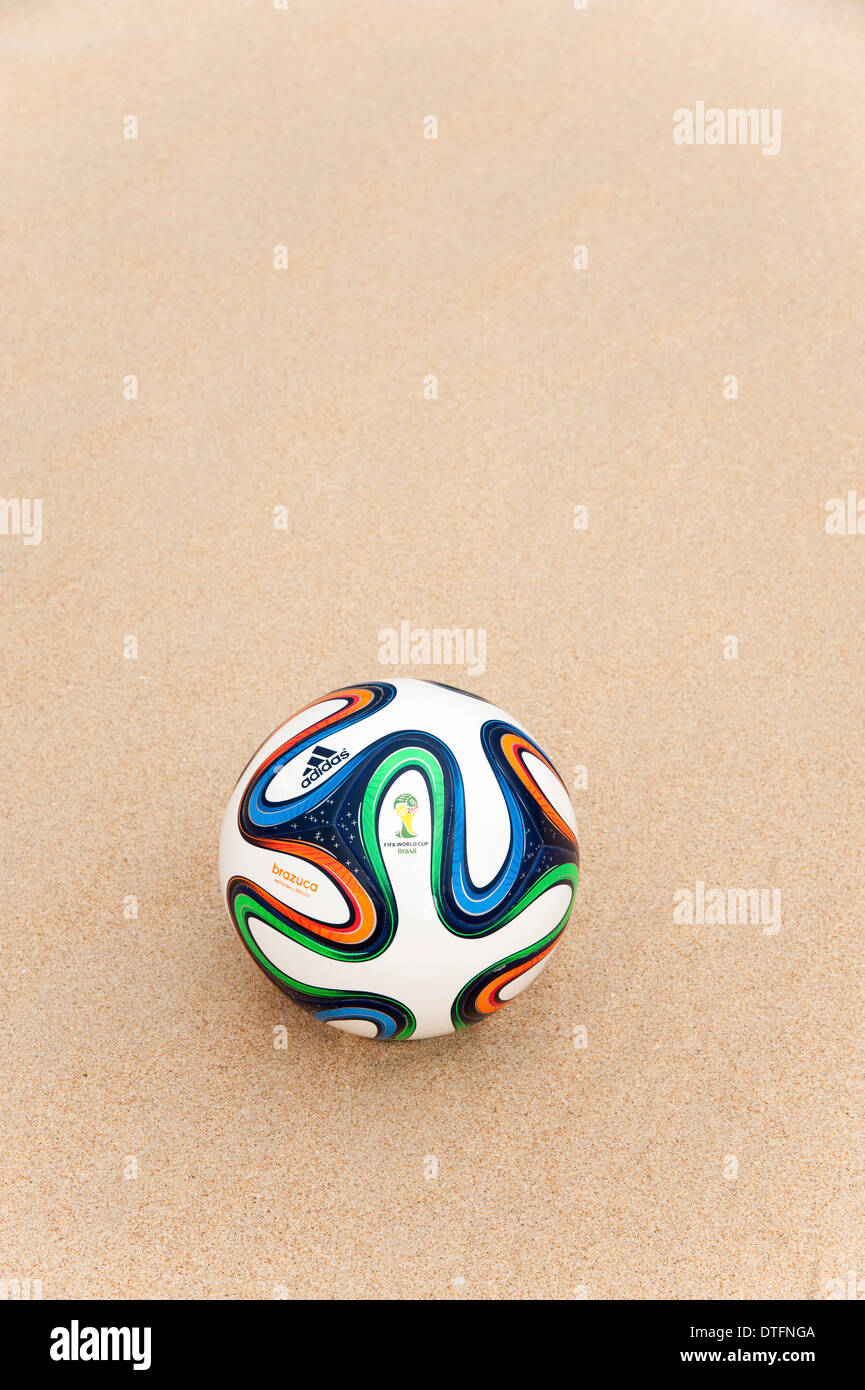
406,807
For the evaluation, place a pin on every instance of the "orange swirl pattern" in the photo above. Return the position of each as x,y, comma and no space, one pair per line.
487,1000
356,697
361,923
513,747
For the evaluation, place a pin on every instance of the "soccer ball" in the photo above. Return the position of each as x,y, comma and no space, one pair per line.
400,858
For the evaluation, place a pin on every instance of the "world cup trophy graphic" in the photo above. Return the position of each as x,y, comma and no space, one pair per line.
405,807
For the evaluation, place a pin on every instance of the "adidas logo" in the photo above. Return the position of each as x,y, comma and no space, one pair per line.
321,760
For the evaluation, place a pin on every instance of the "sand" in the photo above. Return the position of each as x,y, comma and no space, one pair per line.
706,1140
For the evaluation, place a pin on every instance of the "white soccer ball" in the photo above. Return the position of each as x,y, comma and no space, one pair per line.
400,858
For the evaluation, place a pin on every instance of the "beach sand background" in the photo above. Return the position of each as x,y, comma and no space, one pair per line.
563,1171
